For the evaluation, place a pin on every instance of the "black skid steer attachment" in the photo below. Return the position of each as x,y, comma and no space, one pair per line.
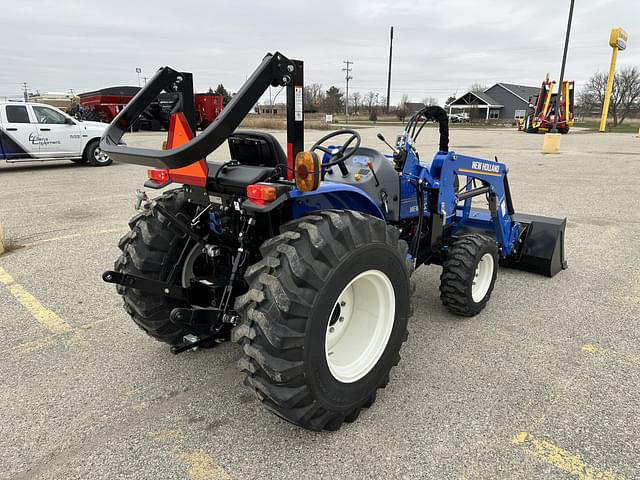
541,248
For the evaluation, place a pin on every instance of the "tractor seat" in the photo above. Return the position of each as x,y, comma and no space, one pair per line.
260,157
259,149
233,179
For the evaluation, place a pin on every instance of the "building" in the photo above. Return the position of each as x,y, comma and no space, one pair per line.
275,109
413,107
504,101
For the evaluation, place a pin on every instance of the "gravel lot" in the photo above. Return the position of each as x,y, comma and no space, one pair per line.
545,383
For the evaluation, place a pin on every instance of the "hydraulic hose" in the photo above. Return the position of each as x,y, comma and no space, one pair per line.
415,245
438,114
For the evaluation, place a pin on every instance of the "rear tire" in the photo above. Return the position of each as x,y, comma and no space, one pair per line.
321,274
150,250
95,156
469,274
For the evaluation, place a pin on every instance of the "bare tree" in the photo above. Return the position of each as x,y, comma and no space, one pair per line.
403,109
313,97
625,95
370,101
450,100
477,87
355,100
430,101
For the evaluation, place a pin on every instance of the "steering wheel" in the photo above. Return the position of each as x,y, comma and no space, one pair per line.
339,155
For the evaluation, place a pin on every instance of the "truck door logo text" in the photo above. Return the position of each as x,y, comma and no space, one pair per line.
36,139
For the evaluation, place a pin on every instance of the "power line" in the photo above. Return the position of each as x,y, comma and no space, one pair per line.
347,78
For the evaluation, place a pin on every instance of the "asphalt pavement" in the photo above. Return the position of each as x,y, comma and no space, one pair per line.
544,383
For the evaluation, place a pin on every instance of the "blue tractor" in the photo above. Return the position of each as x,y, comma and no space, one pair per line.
305,258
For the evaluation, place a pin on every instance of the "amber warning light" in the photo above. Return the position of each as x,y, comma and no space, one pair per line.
307,168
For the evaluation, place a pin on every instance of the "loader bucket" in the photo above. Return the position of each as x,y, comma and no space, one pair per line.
542,247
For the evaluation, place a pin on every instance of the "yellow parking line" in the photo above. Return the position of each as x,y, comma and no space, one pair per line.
594,349
605,352
200,466
47,318
560,458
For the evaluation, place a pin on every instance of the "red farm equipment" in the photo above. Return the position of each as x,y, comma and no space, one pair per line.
103,105
208,106
542,107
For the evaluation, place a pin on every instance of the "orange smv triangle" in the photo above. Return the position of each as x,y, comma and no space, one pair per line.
179,134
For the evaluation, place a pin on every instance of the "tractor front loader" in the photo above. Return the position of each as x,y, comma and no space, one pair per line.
305,258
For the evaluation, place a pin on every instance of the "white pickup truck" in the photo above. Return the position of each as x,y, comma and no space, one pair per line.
38,132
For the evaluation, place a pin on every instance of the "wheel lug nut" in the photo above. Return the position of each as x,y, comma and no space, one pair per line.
331,329
343,303
341,319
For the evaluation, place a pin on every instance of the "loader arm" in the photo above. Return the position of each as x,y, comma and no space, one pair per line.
275,69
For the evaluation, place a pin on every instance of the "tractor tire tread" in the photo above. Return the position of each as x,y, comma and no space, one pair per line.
274,311
458,265
146,251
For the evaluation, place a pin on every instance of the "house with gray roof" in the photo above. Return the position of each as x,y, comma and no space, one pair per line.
505,101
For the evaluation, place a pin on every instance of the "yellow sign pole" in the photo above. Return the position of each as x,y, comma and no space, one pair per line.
617,41
607,92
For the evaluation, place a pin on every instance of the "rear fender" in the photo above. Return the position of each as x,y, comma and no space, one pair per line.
333,196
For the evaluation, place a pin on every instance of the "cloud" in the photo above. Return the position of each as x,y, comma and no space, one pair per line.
440,47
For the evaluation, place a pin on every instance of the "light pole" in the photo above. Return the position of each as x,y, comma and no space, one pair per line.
617,41
138,71
564,61
389,74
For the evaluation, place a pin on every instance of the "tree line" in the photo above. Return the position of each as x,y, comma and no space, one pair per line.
625,94
625,98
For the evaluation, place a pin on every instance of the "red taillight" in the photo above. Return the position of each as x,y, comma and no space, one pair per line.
158,176
261,193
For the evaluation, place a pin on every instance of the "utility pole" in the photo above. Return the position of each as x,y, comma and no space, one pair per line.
564,61
389,75
347,78
138,71
26,95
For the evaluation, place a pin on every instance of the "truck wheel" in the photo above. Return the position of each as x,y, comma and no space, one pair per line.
95,156
150,250
325,316
468,274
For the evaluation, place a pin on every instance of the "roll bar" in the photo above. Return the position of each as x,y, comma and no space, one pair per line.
275,70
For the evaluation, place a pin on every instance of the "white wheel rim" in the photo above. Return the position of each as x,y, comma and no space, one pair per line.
482,277
359,326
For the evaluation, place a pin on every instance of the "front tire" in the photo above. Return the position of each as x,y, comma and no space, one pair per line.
325,316
469,274
95,156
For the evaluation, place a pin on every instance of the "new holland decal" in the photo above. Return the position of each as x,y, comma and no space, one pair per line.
486,167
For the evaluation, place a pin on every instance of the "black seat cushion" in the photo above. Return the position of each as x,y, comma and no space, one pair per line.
259,149
233,179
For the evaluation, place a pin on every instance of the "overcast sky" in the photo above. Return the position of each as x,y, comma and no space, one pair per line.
440,47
